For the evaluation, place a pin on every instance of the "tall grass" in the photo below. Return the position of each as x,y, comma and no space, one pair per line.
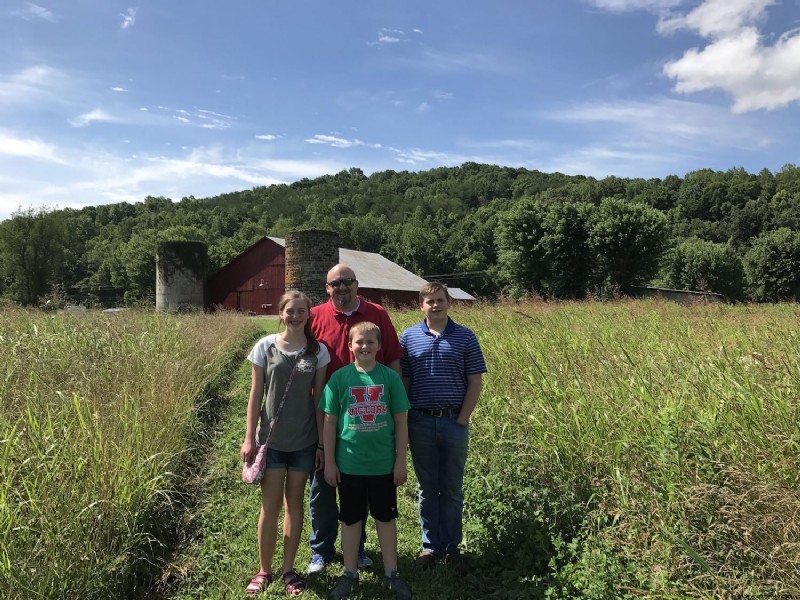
638,449
95,412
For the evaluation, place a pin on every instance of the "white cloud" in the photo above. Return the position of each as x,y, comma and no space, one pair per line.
442,96
437,60
33,83
423,107
388,36
98,115
336,142
267,136
34,11
665,121
27,148
716,18
128,18
629,5
118,89
415,30
737,61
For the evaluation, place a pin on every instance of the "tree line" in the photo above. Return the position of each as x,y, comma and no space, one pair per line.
489,229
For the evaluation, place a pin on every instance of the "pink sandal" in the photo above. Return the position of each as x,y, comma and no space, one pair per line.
258,583
292,584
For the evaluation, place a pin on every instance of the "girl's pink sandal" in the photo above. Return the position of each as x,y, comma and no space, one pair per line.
258,583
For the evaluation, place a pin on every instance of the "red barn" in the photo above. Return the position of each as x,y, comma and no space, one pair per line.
254,281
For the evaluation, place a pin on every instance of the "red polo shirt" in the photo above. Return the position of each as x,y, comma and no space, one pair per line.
332,328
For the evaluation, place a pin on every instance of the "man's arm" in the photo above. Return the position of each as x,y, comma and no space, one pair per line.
474,386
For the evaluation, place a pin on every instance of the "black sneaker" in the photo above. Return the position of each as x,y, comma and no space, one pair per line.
398,586
344,587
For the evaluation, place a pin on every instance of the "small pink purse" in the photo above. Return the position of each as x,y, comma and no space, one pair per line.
253,470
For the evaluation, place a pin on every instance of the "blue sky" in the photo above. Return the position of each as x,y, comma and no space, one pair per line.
113,101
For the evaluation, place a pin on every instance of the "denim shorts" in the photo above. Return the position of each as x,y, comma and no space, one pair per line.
297,460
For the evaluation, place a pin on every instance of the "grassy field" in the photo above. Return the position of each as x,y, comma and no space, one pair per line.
633,449
99,416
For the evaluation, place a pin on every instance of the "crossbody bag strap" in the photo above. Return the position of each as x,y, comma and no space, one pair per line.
274,420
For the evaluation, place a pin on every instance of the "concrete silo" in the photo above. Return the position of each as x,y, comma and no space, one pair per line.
309,256
181,269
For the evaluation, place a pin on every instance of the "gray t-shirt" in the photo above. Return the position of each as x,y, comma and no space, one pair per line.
297,425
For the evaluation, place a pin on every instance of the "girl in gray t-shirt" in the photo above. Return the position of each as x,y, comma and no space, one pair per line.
295,447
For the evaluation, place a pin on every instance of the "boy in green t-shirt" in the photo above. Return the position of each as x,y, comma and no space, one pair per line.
365,439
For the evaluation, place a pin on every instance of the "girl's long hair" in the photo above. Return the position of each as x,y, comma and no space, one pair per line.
312,345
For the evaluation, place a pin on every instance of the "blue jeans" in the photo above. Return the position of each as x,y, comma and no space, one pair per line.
324,513
439,453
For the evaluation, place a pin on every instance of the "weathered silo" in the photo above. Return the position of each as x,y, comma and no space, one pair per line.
181,269
309,256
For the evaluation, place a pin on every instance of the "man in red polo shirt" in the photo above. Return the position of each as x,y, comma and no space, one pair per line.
331,323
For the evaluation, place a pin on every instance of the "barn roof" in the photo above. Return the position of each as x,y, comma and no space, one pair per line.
375,271
459,294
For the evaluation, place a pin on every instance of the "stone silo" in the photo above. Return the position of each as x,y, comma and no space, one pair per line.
309,256
181,269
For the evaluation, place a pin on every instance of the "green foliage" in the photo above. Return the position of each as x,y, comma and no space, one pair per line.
31,253
772,266
628,240
696,264
104,253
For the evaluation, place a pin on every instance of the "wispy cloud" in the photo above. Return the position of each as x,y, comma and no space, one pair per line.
339,142
98,115
128,18
668,121
629,5
648,138
118,89
423,107
267,136
27,148
438,60
34,11
95,176
442,96
388,36
33,83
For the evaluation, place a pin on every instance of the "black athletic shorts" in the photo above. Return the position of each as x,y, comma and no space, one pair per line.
358,493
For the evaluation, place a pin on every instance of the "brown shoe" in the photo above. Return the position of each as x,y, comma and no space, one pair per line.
456,562
426,560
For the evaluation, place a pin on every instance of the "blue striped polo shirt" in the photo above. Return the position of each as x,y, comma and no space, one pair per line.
439,365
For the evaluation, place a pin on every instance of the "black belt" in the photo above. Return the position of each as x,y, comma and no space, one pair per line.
440,412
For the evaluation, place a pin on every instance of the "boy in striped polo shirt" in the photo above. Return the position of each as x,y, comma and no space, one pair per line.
442,369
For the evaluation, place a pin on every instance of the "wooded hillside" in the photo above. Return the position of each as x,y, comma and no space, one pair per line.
485,228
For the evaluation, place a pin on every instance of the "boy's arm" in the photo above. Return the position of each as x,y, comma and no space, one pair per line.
332,476
474,385
400,471
407,384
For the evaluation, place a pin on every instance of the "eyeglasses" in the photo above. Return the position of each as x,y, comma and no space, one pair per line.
346,281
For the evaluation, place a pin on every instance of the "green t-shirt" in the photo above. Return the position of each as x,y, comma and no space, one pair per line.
365,404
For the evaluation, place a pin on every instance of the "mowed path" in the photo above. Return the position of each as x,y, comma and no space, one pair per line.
221,556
